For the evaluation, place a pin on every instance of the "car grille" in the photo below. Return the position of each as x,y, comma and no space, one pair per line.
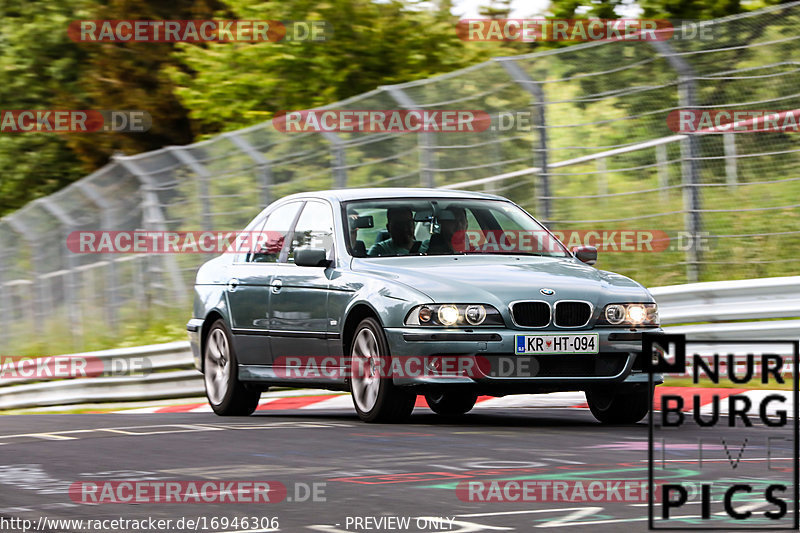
572,314
531,314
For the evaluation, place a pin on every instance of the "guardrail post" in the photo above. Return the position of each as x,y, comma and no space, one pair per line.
40,295
690,153
203,177
264,167
107,223
424,141
731,177
338,166
154,220
69,280
521,78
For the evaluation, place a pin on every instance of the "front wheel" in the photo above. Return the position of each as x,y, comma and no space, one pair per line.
451,402
375,397
226,394
623,407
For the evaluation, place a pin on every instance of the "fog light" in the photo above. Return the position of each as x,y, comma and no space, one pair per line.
615,314
475,314
448,315
636,314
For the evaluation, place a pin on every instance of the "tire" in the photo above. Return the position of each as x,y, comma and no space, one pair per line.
451,402
375,397
626,407
226,394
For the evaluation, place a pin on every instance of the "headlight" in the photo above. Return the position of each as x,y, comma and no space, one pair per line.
630,315
448,315
636,314
458,315
615,314
475,314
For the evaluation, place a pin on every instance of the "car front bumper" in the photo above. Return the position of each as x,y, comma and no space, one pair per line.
495,365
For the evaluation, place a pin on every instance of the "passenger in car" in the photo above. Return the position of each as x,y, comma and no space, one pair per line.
400,223
452,225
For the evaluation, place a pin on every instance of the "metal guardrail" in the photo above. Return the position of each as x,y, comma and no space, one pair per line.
718,301
708,305
169,373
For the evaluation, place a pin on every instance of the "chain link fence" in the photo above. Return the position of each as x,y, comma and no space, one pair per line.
597,155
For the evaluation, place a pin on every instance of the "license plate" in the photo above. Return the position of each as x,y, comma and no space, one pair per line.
557,344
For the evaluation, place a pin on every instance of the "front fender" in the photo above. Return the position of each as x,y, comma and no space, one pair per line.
390,301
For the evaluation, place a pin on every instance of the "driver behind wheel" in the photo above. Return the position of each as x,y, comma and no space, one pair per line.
400,223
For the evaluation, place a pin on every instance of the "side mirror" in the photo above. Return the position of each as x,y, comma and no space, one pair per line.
311,257
586,254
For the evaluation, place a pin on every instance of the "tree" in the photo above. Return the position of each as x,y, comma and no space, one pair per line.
39,68
230,85
44,69
130,75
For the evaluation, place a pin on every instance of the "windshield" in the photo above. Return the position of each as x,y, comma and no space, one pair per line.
420,226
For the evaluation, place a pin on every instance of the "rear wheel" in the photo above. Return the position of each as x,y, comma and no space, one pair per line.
451,402
226,395
619,407
375,397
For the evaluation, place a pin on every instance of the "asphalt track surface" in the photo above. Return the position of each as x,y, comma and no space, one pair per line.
364,470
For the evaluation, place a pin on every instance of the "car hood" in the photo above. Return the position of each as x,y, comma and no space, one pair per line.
498,280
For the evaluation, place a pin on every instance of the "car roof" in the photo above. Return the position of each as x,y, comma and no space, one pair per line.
374,193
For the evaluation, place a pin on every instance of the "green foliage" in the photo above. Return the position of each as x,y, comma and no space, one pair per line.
231,85
44,69
39,69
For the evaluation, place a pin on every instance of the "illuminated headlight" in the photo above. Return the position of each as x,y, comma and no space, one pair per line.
636,314
448,315
632,314
458,315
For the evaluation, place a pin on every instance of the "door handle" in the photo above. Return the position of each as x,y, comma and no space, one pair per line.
232,284
276,286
